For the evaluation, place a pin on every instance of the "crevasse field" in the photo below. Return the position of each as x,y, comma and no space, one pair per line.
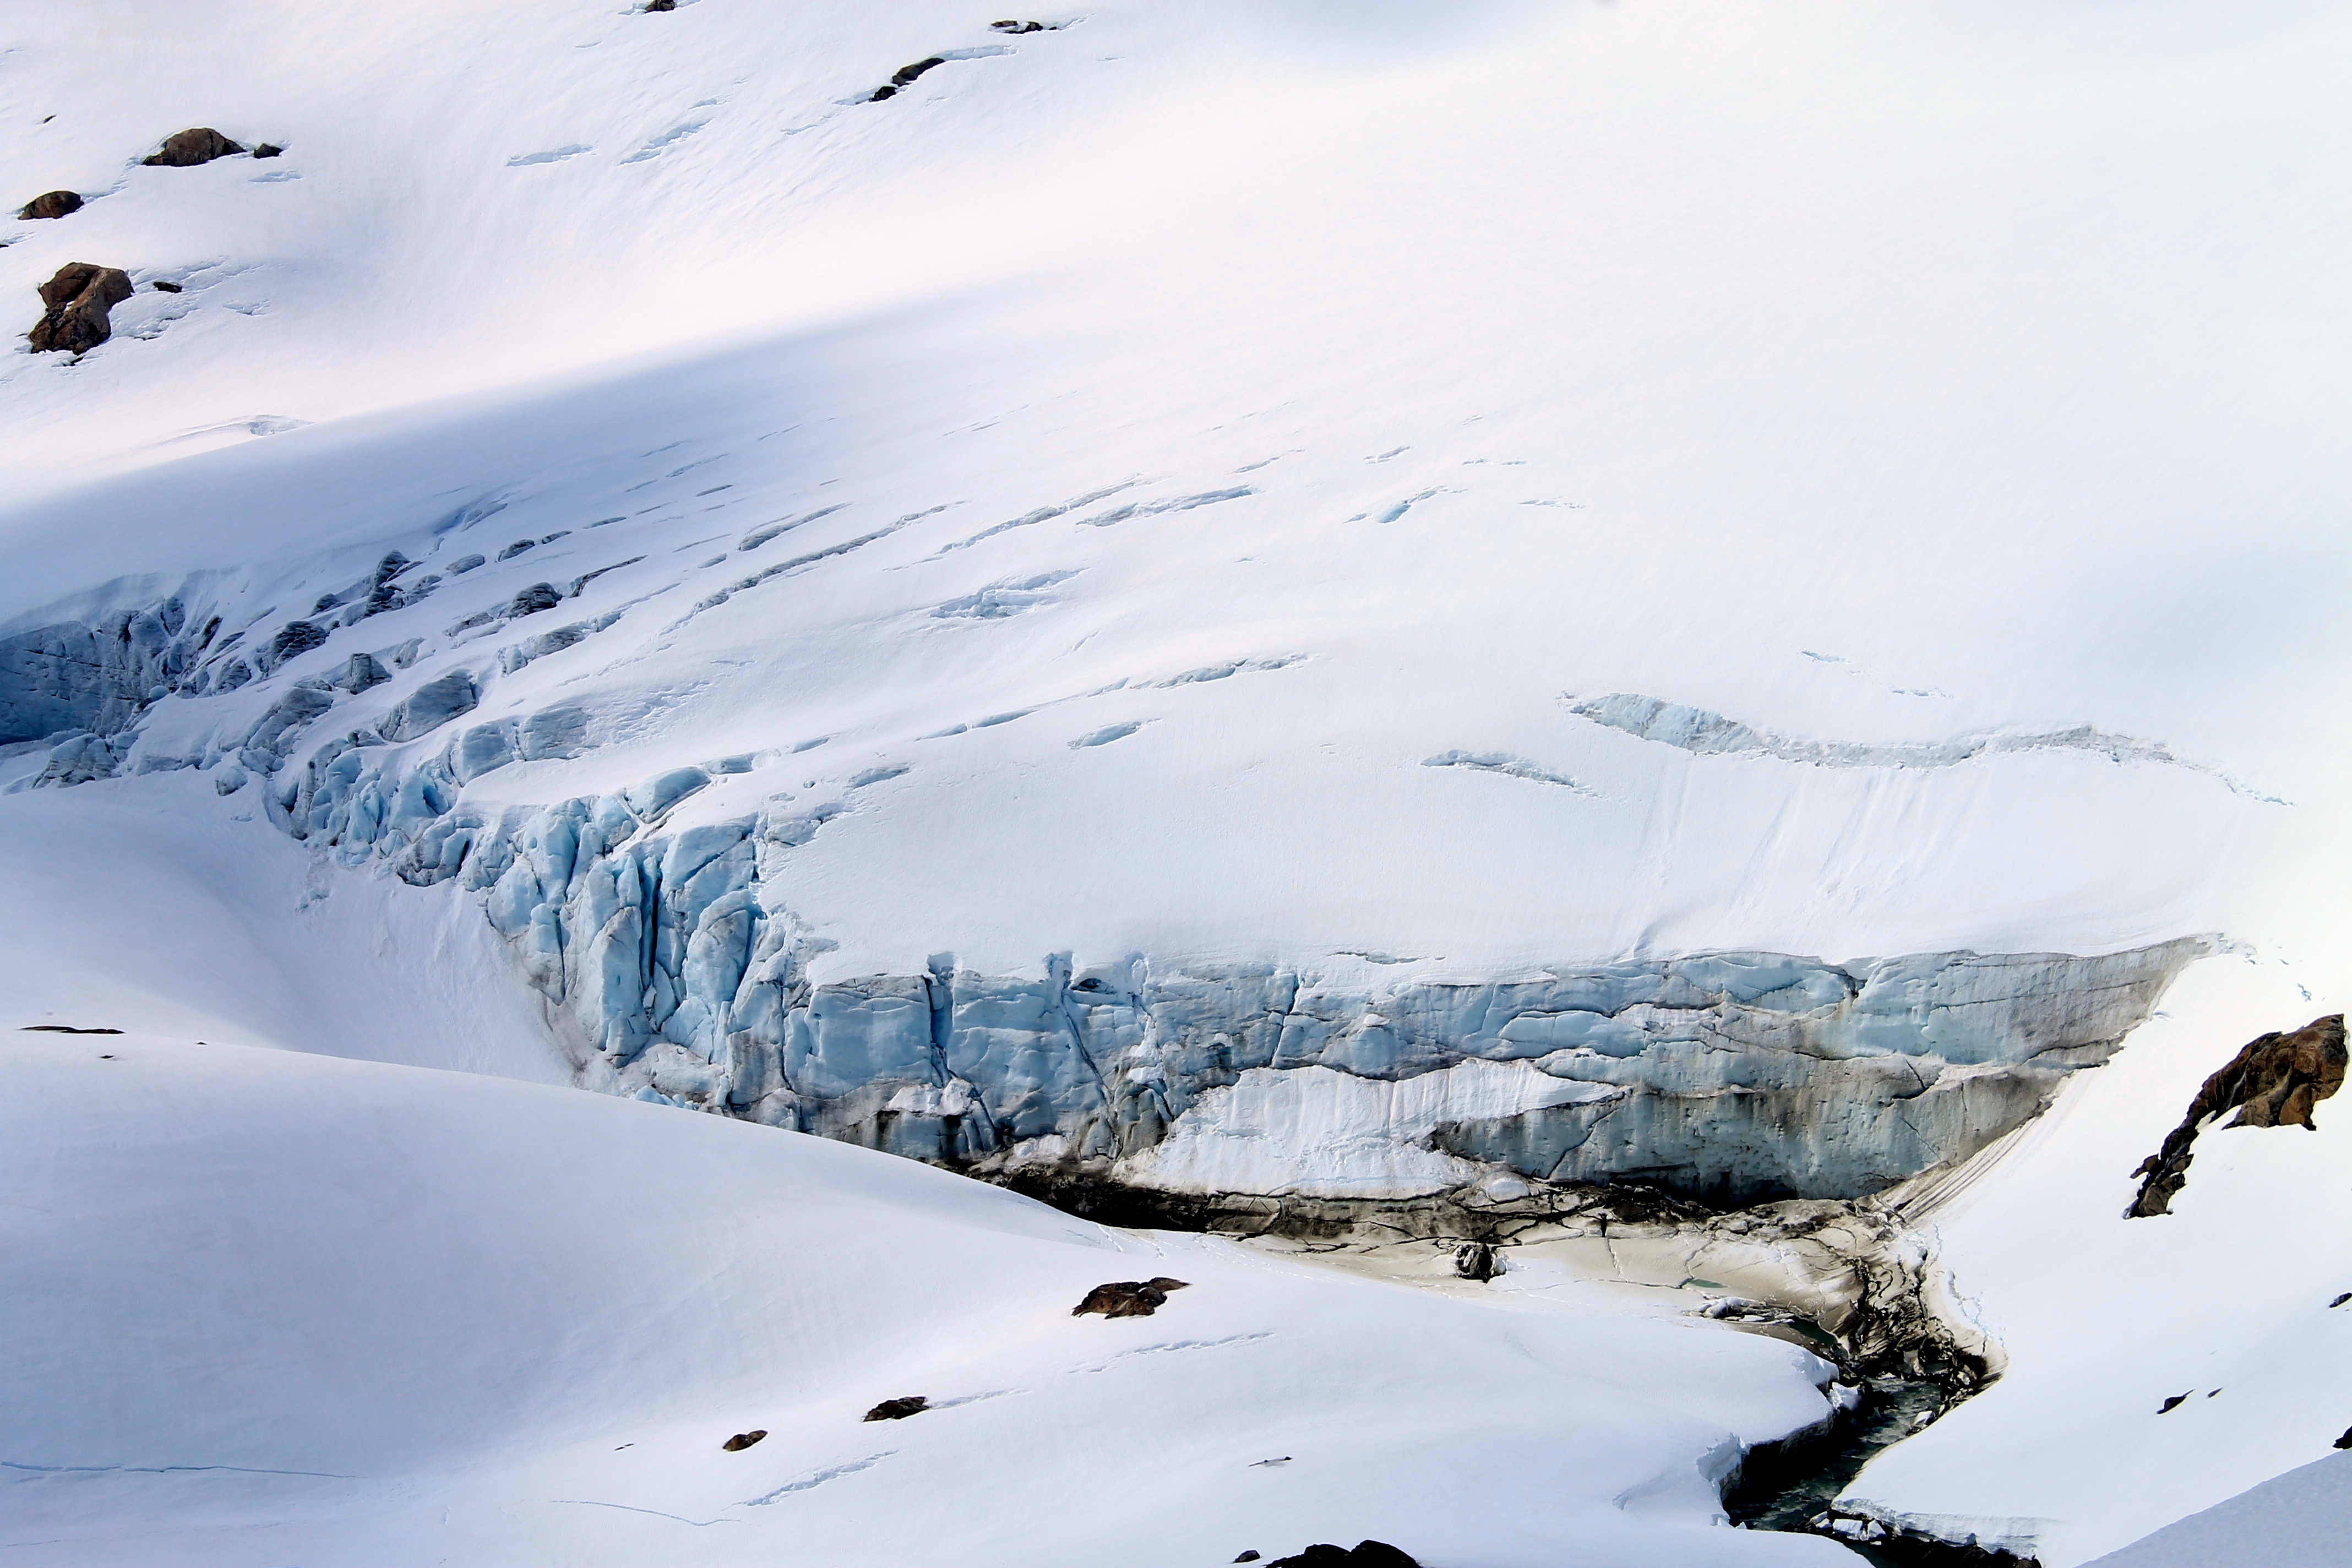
1238,602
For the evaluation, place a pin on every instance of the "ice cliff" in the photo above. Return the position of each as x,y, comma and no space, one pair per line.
673,968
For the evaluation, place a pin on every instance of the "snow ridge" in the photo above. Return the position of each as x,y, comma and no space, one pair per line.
1704,733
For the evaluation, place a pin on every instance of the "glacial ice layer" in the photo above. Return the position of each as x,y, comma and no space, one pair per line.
668,962
673,970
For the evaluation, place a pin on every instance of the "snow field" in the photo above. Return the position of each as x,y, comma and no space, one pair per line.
279,1307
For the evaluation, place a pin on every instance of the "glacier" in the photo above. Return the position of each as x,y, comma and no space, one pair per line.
1696,645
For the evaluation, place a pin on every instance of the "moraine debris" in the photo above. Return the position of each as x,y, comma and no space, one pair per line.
1127,1297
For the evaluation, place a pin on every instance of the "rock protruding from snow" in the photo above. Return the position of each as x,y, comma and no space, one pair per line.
2273,1082
187,149
1127,1297
900,1409
742,1440
905,75
76,301
1367,1555
51,204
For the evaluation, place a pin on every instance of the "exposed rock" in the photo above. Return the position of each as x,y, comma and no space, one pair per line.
268,150
2346,1440
64,1029
900,1409
517,548
1127,1297
464,563
2273,1082
742,1440
537,597
905,75
78,300
1250,1556
51,204
1476,1260
661,4
1367,1555
2341,1300
187,149
164,285
1011,27
2171,1403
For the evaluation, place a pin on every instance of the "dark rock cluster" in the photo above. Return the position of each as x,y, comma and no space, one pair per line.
76,302
900,1409
905,75
742,1440
1367,1555
187,149
2273,1082
51,204
1127,1297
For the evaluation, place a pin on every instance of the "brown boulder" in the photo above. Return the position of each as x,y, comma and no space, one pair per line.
1127,1297
900,1409
742,1440
187,149
51,204
2273,1082
78,299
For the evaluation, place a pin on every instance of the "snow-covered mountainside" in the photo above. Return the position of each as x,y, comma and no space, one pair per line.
1235,604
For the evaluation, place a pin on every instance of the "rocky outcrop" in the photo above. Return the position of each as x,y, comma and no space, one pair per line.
742,1440
1127,1297
906,75
1366,1554
51,204
77,303
2273,1082
187,149
900,1409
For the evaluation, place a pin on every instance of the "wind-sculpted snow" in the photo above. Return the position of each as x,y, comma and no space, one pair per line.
1703,733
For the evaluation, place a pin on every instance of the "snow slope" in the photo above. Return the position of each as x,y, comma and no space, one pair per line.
1560,388
271,1307
1389,493
2295,1521
2103,1319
